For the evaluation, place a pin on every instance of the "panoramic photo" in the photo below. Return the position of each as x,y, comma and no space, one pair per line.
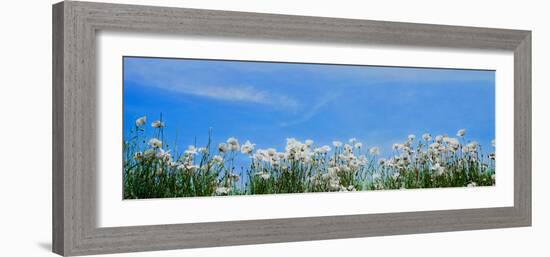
208,128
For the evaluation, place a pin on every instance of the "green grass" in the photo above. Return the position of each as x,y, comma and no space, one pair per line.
155,169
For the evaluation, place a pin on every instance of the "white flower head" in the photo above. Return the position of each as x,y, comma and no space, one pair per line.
165,155
223,148
470,147
233,144
157,124
149,153
452,142
155,143
461,132
192,167
358,145
263,175
223,190
309,142
411,137
217,158
271,152
352,141
191,150
374,150
247,147
323,149
138,156
336,143
427,137
438,169
348,148
140,121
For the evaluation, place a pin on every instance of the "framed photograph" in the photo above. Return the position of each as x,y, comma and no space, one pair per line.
183,128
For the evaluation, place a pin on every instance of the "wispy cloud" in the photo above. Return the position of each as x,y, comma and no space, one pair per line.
184,78
311,111
232,93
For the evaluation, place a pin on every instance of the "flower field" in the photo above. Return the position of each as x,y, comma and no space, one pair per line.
155,169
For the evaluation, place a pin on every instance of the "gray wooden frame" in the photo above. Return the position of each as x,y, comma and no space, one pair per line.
74,130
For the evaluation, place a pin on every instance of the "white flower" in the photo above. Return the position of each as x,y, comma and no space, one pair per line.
334,184
472,184
263,175
460,132
192,167
217,158
141,121
434,145
493,176
492,156
322,150
452,142
309,142
411,137
138,156
233,177
155,143
353,140
149,153
438,138
222,190
470,147
348,149
381,161
439,170
271,152
493,143
247,147
233,144
202,150
398,146
223,148
157,124
191,150
332,171
427,137
165,155
374,150
336,143
358,145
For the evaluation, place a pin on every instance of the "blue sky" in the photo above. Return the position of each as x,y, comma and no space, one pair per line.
268,102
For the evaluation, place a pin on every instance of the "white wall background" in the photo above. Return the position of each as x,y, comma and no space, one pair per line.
25,127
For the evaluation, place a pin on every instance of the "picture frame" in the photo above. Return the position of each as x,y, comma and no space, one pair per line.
74,165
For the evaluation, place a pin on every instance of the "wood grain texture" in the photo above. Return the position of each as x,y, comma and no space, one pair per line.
75,25
57,132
